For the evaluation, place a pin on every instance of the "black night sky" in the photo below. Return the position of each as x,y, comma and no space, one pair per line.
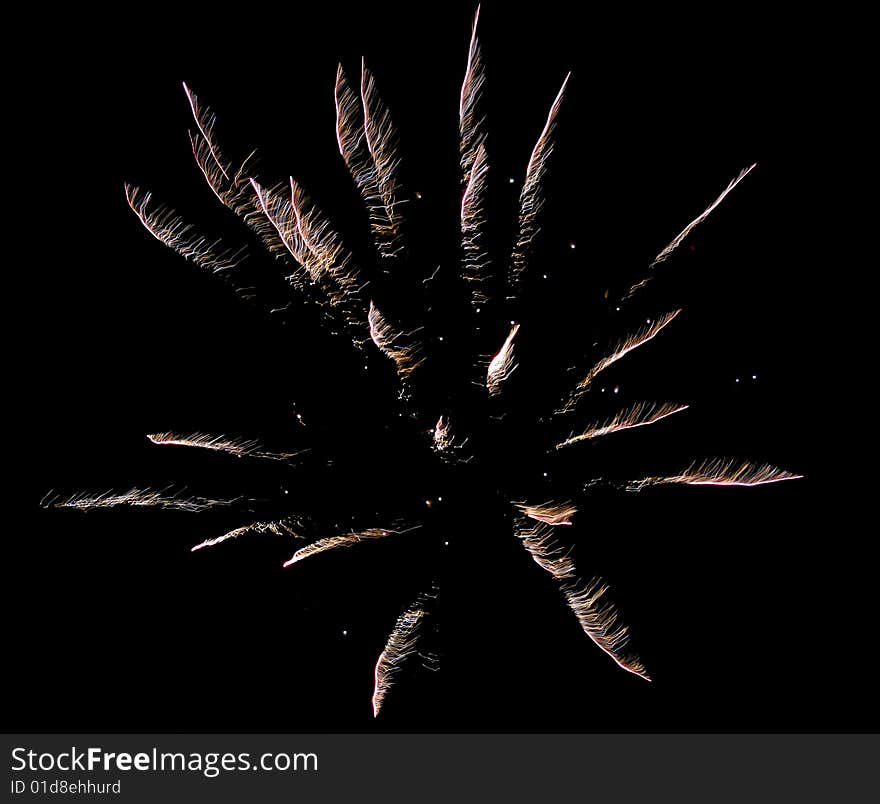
742,602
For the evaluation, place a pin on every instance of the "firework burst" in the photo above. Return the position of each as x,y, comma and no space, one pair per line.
351,292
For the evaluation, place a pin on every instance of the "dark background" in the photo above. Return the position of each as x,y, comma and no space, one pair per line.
749,606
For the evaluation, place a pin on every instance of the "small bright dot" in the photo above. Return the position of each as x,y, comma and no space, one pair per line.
478,309
601,390
440,338
418,195
344,632
285,491
429,503
510,180
616,389
647,320
737,379
754,376
618,309
572,245
545,276
545,474
439,499
446,543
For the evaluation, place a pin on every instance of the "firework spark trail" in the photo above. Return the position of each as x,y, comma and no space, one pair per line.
328,255
149,498
239,447
502,365
597,617
475,256
550,513
351,137
342,540
228,184
172,231
471,119
624,347
381,139
639,415
719,472
279,528
275,204
531,197
316,248
406,357
680,237
400,647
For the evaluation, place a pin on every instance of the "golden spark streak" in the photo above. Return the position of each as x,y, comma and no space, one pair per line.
598,618
280,528
406,358
679,238
150,498
351,137
230,188
471,121
475,256
719,472
381,139
639,415
550,513
342,540
401,645
502,365
623,348
238,447
172,231
532,195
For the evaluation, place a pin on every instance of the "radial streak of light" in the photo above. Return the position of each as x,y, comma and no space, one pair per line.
502,365
401,646
148,498
351,138
531,197
342,540
471,119
172,231
475,256
550,513
381,139
623,348
597,617
679,238
719,472
239,447
638,415
406,357
229,186
279,528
